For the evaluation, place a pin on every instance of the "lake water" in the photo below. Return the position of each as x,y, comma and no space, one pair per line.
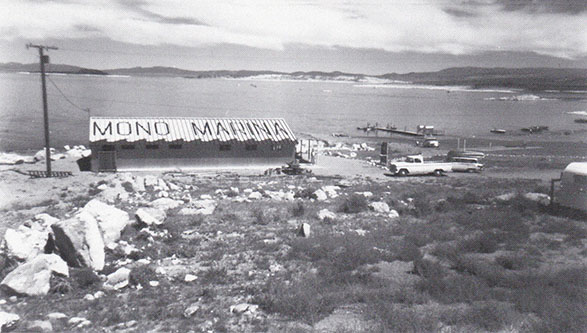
316,108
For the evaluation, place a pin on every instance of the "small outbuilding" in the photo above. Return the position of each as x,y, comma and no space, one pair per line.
124,143
573,187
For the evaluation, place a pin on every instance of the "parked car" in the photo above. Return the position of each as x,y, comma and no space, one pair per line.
415,165
428,143
466,164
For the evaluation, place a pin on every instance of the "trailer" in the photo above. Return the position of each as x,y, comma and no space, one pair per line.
573,187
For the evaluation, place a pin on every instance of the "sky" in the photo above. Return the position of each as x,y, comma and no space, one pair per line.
370,36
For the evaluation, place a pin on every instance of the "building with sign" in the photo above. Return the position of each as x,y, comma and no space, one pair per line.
121,143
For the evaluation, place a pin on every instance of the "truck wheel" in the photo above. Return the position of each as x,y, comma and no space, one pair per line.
438,173
403,172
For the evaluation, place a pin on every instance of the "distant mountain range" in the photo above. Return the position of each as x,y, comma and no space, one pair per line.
532,79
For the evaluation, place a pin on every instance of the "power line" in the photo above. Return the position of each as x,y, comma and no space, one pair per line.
67,99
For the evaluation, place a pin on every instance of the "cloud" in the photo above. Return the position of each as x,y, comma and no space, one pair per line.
451,27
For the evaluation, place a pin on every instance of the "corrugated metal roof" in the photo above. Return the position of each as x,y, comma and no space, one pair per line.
171,129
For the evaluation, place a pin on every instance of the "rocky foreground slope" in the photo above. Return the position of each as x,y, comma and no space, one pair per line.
180,252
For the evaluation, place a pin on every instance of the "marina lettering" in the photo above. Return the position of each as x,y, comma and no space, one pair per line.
278,128
202,132
158,128
128,128
108,128
220,126
146,130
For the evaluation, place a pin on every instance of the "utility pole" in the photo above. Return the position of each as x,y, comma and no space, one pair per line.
43,59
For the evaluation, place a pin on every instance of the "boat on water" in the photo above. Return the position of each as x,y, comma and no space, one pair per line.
581,120
497,130
464,153
535,129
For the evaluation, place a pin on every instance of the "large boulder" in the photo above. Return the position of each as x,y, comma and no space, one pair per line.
25,243
149,215
320,195
379,207
33,277
325,214
79,241
118,279
111,220
200,207
166,203
8,321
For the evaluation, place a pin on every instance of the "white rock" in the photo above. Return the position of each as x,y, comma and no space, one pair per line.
79,241
331,190
200,207
46,219
138,184
379,207
173,187
154,283
190,278
366,194
162,185
40,326
255,195
149,215
541,198
247,191
162,194
99,294
166,203
206,197
505,197
12,159
289,196
118,279
151,181
33,277
89,297
189,311
241,308
111,220
393,214
304,230
8,321
326,214
25,243
320,195
56,316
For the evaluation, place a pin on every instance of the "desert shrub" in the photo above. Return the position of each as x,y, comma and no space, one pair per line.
83,277
455,289
127,186
59,284
216,275
354,204
563,226
307,193
142,275
490,316
259,216
514,262
481,243
298,209
428,269
400,318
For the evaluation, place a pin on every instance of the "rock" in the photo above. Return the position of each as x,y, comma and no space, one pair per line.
149,216
344,183
25,243
206,197
320,195
366,194
79,322
99,294
8,321
138,185
79,241
201,207
505,197
13,159
289,196
154,283
89,297
541,198
33,277
40,326
351,318
56,316
324,214
243,307
190,278
173,187
393,214
165,203
162,185
190,310
40,155
45,219
379,207
255,195
111,220
118,279
112,194
304,230
151,181
331,190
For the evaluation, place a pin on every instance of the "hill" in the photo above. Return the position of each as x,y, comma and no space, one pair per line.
49,68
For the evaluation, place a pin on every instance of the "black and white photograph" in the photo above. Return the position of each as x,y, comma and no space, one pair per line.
307,166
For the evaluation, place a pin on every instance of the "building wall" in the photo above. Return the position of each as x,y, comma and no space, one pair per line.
165,155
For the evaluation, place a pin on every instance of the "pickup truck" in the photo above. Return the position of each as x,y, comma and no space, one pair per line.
415,165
